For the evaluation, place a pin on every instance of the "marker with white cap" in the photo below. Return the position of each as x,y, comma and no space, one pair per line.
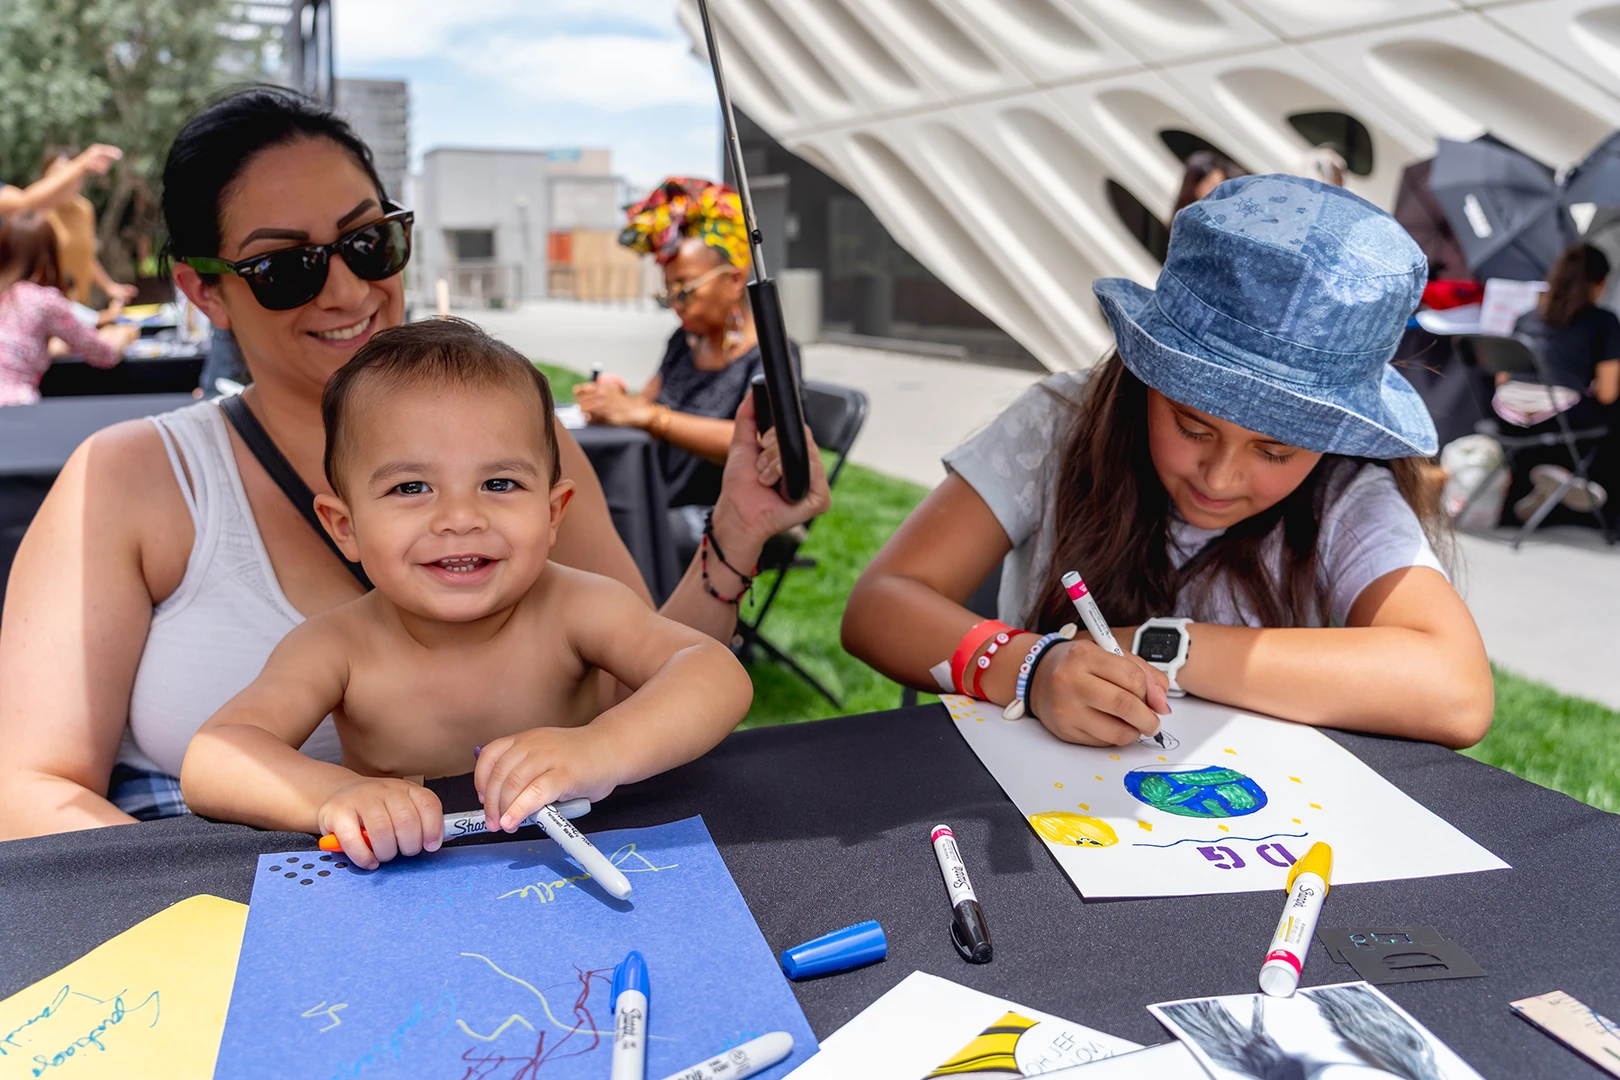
1307,888
751,1057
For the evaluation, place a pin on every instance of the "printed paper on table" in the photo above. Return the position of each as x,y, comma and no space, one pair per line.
147,1005
496,960
1226,805
1351,1029
925,1019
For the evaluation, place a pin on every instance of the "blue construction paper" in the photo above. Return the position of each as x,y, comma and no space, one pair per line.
494,962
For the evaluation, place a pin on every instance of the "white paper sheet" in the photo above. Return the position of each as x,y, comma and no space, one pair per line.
1351,1029
1252,793
918,1025
1167,1061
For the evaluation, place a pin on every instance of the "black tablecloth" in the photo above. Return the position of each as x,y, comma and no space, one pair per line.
827,823
626,461
70,376
36,440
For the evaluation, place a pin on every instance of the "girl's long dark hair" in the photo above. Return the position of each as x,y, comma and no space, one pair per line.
1110,516
1569,283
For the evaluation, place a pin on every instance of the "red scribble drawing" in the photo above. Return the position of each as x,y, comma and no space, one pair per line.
581,1038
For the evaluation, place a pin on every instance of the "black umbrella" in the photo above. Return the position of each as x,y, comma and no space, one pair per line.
1597,179
1507,209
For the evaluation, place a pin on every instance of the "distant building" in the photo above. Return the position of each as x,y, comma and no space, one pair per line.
380,110
504,226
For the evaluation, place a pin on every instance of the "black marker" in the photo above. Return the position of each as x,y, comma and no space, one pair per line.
968,928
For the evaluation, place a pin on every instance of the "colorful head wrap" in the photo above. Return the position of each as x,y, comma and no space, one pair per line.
683,206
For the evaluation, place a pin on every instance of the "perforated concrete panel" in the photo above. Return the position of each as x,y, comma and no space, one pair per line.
983,133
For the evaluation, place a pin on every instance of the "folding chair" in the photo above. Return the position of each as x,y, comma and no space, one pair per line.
1514,356
836,415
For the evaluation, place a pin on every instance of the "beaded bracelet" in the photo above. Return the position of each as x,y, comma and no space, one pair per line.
982,664
1019,705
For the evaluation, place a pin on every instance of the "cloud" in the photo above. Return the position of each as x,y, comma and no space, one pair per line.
382,31
605,71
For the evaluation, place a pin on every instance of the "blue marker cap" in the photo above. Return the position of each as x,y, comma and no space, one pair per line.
851,947
629,975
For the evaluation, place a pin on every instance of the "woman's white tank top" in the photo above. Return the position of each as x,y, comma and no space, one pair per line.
212,636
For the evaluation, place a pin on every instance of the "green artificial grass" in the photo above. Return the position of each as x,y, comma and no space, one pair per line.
1560,742
866,509
1565,743
562,381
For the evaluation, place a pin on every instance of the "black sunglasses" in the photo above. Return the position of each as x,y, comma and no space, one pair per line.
292,277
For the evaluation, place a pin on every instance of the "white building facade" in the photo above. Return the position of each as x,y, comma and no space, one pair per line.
997,139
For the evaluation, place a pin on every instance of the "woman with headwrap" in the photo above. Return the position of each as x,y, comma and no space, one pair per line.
695,230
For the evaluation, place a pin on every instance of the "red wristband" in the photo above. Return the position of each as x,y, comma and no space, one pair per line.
982,664
970,644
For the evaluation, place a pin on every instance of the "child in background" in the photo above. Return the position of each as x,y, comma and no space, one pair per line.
442,450
33,310
1245,476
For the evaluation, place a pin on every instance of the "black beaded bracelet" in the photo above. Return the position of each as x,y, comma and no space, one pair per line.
708,534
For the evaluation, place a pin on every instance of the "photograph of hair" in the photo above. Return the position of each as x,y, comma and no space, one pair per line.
1248,1050
1380,1035
28,251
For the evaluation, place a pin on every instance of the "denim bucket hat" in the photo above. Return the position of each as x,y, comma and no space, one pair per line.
1280,305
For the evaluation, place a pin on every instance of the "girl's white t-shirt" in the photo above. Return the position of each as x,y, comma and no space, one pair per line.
1367,531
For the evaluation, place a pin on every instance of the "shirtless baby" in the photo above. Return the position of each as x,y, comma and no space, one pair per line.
442,453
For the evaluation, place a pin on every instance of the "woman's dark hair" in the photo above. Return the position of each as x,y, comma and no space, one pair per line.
1110,517
1200,164
28,251
1569,283
214,147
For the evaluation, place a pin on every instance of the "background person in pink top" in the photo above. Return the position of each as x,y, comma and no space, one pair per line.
33,310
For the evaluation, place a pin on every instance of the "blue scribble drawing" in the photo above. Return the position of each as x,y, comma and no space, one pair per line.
99,1031
1228,839
445,899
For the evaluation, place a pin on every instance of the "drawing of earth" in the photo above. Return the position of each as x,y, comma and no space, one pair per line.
1198,791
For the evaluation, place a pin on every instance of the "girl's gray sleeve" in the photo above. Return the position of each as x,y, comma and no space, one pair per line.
1006,462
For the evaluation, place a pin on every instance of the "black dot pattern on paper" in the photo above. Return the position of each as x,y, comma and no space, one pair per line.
326,858
340,865
290,874
323,873
309,866
307,881
275,869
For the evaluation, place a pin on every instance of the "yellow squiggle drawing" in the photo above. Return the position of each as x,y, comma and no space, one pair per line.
1075,830
492,1036
544,1004
329,1013
547,890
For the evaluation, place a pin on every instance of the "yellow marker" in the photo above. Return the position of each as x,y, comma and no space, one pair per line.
1307,888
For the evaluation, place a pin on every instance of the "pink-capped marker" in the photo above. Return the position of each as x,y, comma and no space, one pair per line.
1096,625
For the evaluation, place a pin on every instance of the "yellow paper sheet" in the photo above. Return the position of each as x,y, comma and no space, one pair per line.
149,1003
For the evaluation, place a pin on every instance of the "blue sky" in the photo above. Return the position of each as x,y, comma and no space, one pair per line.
542,73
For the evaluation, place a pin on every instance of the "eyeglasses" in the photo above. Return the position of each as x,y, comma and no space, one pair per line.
292,277
682,296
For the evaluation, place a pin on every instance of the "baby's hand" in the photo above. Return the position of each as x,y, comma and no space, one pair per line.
519,774
399,818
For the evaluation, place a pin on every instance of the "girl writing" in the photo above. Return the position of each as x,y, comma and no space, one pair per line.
1246,468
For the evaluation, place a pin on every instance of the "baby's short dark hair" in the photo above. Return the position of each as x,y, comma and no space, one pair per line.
443,352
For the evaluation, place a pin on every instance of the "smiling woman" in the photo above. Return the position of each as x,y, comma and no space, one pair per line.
169,558
1245,473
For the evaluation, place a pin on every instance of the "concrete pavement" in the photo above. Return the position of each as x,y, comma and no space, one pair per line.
1550,611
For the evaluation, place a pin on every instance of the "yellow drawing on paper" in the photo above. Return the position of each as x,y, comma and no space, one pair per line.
991,1053
149,1003
330,1012
1075,830
1148,825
